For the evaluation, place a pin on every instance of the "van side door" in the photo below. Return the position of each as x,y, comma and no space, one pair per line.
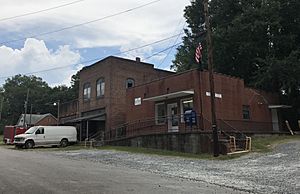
40,136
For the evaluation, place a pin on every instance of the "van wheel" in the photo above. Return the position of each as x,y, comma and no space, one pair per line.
64,143
29,144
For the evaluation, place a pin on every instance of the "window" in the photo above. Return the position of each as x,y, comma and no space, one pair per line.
100,87
40,131
186,104
129,83
160,113
246,112
86,91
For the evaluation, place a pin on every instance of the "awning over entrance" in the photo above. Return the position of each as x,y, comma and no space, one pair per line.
279,106
170,95
96,117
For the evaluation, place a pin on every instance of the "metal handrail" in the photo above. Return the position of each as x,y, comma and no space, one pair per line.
134,128
233,128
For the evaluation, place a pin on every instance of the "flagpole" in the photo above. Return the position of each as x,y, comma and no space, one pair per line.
211,81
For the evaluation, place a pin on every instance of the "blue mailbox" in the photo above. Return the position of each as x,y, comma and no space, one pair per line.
190,117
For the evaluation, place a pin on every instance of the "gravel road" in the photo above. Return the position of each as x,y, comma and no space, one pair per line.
36,171
275,172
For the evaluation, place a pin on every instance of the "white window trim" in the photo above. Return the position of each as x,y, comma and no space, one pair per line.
156,113
101,83
133,82
181,108
87,91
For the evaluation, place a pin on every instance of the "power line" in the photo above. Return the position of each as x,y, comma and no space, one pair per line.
81,24
171,48
40,11
96,59
157,53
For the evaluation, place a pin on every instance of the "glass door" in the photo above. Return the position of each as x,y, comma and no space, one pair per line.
173,119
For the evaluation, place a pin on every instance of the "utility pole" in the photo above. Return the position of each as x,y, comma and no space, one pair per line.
211,80
58,105
25,105
1,106
30,115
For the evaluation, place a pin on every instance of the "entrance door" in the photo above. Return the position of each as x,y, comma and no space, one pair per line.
275,120
173,118
40,136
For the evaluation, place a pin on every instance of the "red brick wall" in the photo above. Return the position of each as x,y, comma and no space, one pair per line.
48,120
229,107
170,84
115,71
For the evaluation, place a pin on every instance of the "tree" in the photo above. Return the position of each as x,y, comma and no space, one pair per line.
185,57
257,40
15,92
41,97
75,85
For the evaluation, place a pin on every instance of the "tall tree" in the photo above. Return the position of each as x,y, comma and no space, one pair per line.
15,92
257,40
75,85
41,96
194,34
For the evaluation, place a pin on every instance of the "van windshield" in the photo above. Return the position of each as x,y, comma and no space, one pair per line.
31,130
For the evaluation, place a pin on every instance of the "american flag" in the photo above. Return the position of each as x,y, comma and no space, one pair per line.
198,53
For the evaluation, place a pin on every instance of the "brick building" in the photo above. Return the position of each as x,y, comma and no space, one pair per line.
131,103
102,94
160,105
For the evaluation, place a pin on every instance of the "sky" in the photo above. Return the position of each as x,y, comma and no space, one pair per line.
54,39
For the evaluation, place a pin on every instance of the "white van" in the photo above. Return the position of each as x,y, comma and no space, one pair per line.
46,136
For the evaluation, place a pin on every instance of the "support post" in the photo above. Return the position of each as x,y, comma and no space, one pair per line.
87,129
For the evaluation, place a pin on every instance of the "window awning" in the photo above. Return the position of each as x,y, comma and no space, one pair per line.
96,117
279,106
170,95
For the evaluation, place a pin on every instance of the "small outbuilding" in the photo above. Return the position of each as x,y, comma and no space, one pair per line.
29,120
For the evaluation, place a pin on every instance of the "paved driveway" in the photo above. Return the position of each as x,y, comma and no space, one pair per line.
36,171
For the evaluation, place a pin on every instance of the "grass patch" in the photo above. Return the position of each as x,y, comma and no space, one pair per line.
267,144
158,152
259,144
155,152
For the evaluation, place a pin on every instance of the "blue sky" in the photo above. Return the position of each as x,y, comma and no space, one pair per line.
69,49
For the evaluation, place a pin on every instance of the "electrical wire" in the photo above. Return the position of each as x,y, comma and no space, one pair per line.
175,42
157,53
97,59
40,11
81,24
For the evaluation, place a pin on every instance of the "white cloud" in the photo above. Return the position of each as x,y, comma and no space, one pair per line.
129,30
35,56
149,23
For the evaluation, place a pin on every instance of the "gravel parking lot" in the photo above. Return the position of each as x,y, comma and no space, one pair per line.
36,171
274,172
